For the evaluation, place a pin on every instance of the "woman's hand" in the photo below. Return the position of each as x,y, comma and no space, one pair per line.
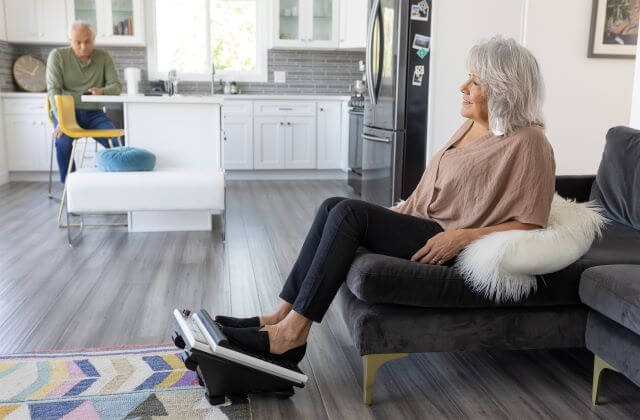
444,246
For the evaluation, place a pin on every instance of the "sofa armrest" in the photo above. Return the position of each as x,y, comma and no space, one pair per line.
577,187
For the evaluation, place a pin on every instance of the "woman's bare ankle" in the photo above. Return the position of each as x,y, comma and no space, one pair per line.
280,314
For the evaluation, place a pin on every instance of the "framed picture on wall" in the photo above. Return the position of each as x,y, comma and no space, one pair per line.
614,28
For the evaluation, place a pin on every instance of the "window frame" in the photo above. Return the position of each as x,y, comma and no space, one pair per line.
260,75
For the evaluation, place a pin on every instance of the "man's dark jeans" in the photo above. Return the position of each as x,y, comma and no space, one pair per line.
340,227
89,119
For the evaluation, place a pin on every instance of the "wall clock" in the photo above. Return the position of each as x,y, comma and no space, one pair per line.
29,74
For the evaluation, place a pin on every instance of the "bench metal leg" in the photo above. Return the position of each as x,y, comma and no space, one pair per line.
371,363
74,240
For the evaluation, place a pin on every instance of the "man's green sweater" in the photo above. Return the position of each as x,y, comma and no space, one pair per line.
68,75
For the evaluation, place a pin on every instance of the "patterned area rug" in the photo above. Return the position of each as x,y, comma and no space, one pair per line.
118,383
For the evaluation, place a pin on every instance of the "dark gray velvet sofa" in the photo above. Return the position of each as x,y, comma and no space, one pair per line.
393,307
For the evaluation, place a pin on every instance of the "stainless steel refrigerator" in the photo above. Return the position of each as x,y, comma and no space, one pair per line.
395,115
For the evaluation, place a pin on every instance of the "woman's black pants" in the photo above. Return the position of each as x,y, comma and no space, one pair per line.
340,227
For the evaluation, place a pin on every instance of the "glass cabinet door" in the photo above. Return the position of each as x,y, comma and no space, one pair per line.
322,20
289,20
121,18
86,10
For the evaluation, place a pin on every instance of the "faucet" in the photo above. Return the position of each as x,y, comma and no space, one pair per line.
213,81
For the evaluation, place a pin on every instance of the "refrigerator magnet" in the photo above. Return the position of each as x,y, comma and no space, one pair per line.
422,53
421,41
420,11
418,74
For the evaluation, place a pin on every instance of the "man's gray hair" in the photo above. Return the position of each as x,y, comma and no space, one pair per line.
80,24
513,83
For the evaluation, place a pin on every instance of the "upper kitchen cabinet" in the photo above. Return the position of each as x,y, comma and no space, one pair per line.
36,21
306,23
117,22
353,23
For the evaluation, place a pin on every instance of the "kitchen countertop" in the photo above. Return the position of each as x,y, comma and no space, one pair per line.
188,98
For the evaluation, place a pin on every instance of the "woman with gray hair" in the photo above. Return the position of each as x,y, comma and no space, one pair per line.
497,173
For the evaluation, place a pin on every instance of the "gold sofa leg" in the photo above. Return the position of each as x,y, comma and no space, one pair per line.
598,366
371,364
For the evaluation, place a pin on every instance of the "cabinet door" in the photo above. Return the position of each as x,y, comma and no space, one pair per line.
123,22
22,24
353,23
322,23
3,28
86,10
300,143
238,142
329,135
52,21
268,143
288,23
25,147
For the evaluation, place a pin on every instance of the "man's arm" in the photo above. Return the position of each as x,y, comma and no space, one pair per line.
111,82
55,81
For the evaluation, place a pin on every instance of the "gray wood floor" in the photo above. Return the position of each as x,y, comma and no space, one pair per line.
118,288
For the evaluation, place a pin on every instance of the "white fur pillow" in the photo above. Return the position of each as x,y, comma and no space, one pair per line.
502,266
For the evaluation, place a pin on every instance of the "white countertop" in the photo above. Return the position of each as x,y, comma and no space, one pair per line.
216,99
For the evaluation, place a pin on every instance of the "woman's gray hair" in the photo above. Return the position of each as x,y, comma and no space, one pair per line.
80,24
513,83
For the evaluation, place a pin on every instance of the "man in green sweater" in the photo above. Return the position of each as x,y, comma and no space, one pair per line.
77,70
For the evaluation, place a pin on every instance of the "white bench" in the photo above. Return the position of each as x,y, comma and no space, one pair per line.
166,199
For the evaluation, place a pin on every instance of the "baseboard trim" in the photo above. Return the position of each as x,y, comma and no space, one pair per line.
285,174
32,176
231,175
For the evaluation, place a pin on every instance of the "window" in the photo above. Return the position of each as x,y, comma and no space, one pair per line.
189,36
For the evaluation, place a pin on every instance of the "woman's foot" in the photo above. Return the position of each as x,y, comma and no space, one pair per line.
286,339
280,313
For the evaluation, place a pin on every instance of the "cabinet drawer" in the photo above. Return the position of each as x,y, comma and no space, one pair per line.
243,108
287,108
25,106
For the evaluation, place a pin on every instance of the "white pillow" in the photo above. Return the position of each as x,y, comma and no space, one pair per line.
502,266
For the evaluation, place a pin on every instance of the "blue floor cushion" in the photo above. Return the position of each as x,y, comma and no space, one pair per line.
125,159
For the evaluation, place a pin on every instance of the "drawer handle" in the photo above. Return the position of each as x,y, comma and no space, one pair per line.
288,123
285,109
373,138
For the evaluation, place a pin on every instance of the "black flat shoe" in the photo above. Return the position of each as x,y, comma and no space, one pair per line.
256,341
229,321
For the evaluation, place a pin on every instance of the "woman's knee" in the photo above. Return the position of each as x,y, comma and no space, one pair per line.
328,204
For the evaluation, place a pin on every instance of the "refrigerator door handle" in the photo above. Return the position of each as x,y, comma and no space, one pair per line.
369,58
374,138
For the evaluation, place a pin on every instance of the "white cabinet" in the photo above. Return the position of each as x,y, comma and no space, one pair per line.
29,142
238,142
41,21
3,30
353,23
116,22
306,23
300,143
269,133
329,135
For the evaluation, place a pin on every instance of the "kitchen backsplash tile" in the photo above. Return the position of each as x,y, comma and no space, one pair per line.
307,72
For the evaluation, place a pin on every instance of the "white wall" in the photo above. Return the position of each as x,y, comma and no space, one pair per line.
4,168
585,96
634,118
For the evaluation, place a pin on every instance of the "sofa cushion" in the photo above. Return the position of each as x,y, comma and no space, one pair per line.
616,186
614,291
378,278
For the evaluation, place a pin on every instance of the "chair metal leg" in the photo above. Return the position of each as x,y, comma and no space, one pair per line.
64,191
223,220
599,365
74,240
371,363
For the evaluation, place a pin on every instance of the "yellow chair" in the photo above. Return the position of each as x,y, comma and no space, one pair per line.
69,126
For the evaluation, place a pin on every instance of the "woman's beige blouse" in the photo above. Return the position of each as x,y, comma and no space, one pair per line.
489,181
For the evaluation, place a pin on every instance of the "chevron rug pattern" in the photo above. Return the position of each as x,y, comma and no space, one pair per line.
116,383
